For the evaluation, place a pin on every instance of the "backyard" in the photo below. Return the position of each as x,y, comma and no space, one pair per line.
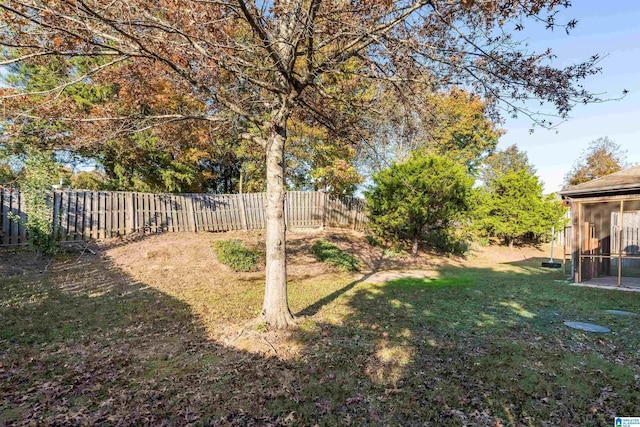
155,331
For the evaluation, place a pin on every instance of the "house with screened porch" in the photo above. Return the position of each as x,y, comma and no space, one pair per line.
606,229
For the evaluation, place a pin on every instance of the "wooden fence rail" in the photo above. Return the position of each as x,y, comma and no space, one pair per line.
85,215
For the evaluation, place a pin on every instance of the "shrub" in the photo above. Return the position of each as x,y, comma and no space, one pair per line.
39,174
327,252
514,209
374,241
421,200
234,254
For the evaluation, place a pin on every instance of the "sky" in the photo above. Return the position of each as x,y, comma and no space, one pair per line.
612,30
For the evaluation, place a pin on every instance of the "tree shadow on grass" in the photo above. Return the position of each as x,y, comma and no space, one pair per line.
314,308
91,345
476,347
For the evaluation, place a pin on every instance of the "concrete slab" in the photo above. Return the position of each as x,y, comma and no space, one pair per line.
587,327
612,281
607,287
620,312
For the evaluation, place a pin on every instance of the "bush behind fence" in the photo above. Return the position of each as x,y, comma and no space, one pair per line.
85,215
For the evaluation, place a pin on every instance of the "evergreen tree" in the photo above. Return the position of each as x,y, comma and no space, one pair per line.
513,209
420,199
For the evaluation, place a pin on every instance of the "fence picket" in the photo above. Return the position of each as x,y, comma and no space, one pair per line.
85,215
15,212
63,216
215,204
216,212
208,206
95,215
4,218
22,224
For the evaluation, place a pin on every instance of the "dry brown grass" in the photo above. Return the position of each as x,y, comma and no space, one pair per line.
153,330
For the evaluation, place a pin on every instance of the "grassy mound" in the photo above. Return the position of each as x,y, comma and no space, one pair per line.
328,252
234,254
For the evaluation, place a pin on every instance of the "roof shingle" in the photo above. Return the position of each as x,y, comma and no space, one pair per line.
625,180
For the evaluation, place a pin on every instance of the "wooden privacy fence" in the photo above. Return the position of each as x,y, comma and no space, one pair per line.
12,217
84,215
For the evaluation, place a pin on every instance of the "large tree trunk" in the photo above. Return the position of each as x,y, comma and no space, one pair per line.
275,309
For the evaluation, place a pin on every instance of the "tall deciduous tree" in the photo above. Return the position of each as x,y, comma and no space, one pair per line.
453,123
318,161
602,157
191,156
265,60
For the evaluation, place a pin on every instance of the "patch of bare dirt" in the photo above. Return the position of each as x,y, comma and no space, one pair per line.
188,253
185,256
20,262
504,254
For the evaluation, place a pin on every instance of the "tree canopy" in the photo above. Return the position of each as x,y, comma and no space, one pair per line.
454,123
513,208
419,200
251,66
511,159
602,157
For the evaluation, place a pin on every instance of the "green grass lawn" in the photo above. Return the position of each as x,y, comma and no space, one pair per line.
474,345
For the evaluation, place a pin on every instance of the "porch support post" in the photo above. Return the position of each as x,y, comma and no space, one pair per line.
580,242
620,243
564,250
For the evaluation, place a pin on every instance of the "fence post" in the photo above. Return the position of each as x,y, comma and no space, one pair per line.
22,226
243,212
55,229
129,213
192,222
4,207
354,211
324,208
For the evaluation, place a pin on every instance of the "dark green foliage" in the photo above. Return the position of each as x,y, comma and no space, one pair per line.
513,209
374,241
328,252
39,175
420,200
510,205
234,254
